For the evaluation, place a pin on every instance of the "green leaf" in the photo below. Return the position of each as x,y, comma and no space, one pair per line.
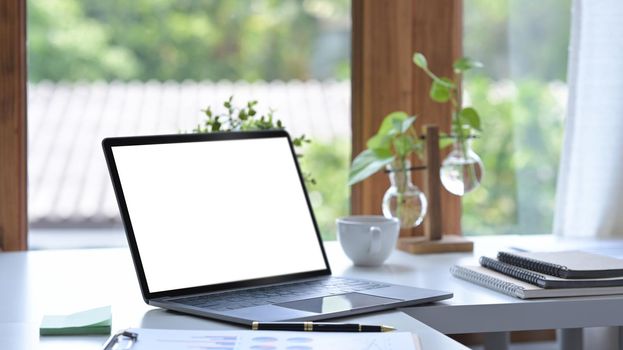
405,125
362,159
380,145
208,112
387,126
216,125
470,117
420,60
439,93
396,126
464,64
383,152
366,164
403,145
443,81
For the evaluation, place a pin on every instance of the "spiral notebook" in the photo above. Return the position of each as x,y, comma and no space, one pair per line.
520,289
566,264
547,281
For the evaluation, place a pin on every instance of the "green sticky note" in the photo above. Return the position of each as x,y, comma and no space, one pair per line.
94,321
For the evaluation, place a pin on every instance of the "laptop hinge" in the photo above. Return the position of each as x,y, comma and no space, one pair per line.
167,298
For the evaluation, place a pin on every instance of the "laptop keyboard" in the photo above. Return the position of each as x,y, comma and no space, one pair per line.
277,294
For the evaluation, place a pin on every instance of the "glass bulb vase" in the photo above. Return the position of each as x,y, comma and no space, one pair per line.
403,200
462,170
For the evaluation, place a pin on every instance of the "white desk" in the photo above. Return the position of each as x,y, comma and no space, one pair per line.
35,283
476,309
50,282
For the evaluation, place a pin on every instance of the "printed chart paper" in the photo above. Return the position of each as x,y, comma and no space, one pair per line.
158,339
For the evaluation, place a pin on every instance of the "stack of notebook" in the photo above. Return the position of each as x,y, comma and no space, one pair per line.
529,275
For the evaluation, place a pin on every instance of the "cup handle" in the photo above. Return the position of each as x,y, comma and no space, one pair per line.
375,242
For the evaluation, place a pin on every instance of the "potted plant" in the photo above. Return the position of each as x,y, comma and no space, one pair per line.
396,140
246,118
462,170
391,148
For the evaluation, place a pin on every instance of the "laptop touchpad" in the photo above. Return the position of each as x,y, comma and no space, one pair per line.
337,303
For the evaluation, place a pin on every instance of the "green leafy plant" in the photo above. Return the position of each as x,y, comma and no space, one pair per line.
465,120
246,118
391,147
396,140
393,144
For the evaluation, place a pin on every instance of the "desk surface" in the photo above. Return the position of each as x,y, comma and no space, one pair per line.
58,282
50,282
496,312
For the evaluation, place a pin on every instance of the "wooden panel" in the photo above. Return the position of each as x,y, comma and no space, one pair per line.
381,82
438,34
13,219
384,79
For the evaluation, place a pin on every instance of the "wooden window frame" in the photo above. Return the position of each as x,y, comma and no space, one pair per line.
384,79
13,135
385,34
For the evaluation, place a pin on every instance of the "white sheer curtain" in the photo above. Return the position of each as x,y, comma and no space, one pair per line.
589,197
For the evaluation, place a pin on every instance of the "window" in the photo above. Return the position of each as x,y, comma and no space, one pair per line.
447,19
101,69
521,94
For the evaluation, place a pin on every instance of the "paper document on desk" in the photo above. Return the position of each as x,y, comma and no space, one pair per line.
159,339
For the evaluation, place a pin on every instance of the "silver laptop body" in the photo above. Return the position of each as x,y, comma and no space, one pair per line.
220,225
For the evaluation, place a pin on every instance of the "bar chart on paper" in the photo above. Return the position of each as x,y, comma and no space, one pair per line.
157,339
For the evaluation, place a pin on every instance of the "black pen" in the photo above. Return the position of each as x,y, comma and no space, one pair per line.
318,327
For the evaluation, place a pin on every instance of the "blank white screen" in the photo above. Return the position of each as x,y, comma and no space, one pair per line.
219,211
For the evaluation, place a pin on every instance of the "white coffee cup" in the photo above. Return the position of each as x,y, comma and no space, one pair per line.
368,240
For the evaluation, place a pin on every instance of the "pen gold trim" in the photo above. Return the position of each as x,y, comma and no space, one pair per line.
308,326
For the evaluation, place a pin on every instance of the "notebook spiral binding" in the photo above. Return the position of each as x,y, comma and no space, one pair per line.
534,265
487,281
511,270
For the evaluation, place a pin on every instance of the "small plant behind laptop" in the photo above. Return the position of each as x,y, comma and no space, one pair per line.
246,118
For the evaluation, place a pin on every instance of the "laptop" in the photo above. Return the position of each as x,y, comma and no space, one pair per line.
220,225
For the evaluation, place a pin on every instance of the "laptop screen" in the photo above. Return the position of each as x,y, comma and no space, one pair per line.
214,212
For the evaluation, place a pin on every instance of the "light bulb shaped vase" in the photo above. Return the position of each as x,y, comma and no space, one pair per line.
462,171
403,200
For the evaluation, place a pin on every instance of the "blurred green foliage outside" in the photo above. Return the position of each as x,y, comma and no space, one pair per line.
520,148
521,97
188,39
328,162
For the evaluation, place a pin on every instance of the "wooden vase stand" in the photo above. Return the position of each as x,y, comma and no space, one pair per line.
434,241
